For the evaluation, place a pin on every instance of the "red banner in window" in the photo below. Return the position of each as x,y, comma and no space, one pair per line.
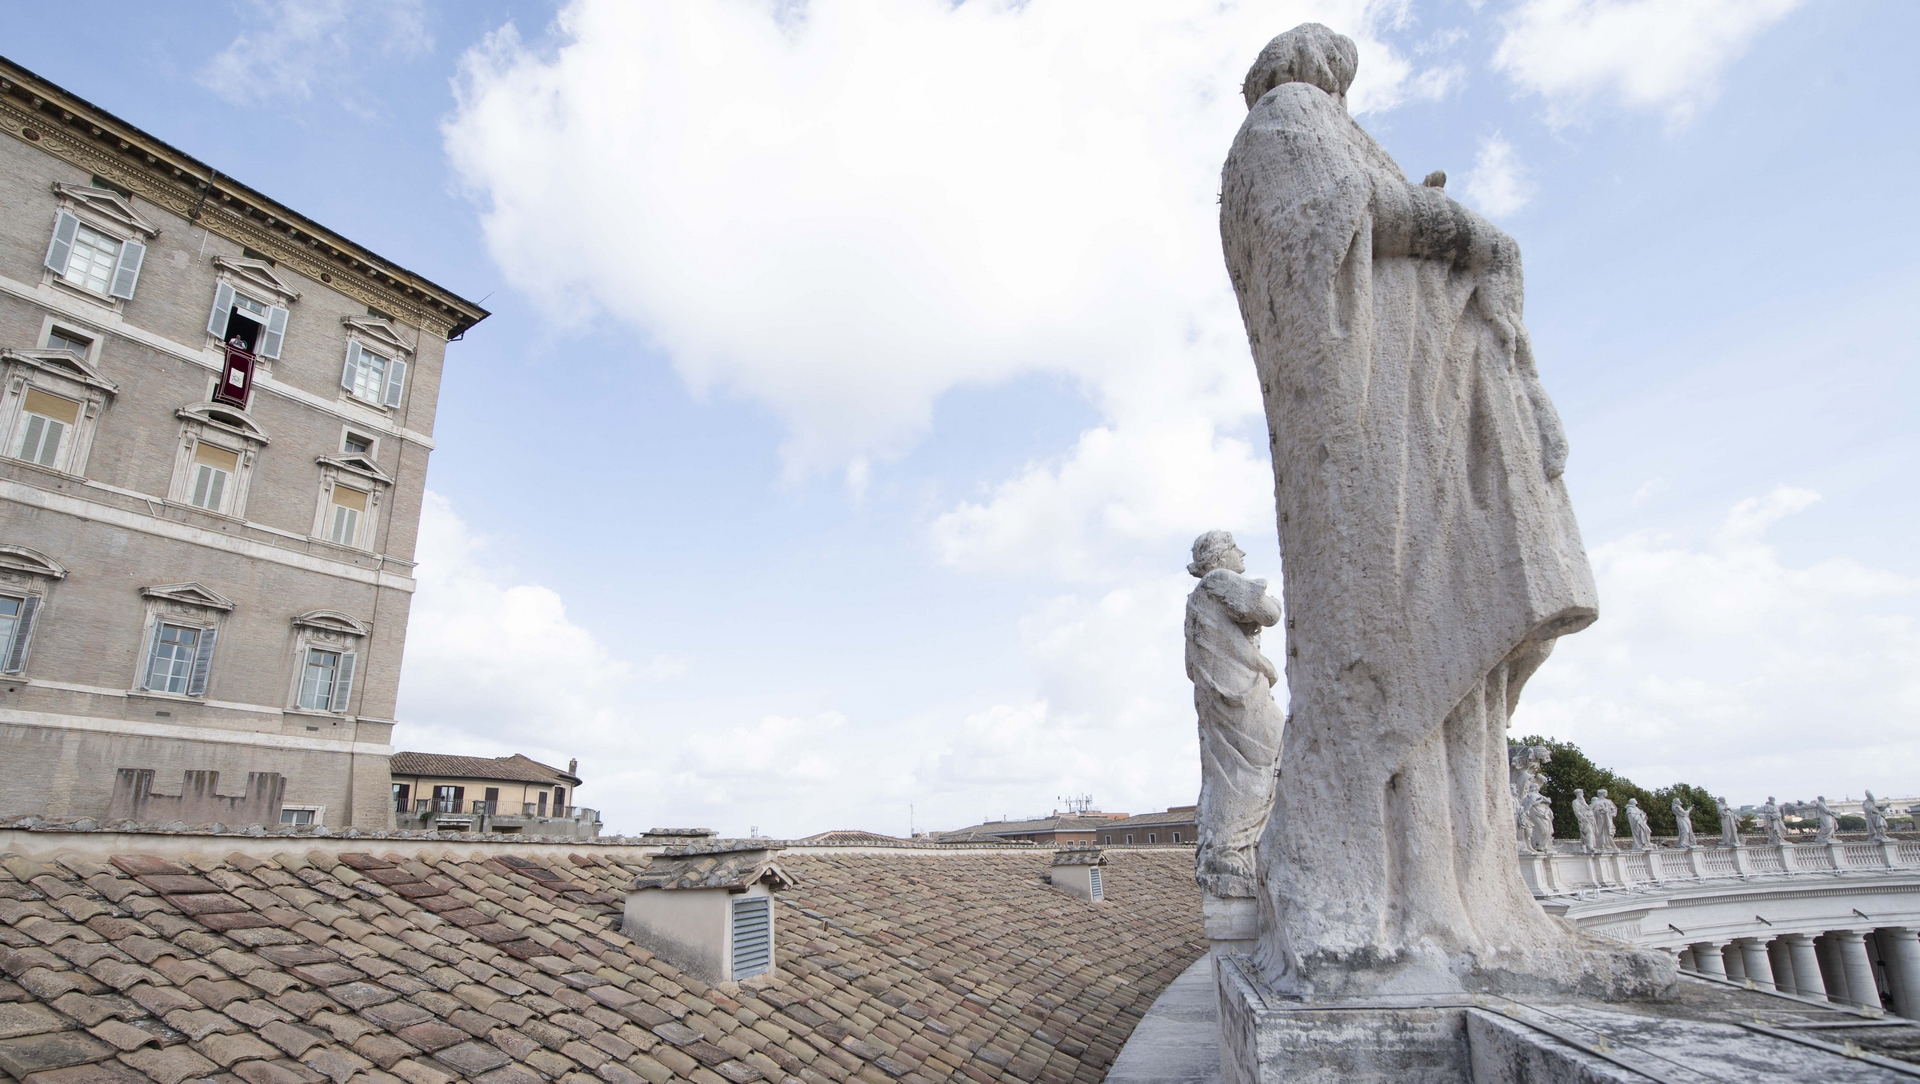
236,377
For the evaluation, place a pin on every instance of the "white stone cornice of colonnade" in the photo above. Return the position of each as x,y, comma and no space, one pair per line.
1571,870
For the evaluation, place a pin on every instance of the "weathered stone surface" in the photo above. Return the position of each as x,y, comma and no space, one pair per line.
1431,555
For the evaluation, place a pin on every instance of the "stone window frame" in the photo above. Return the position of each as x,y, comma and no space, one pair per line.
328,630
185,604
61,374
319,813
358,473
256,280
229,429
105,212
380,336
28,575
95,336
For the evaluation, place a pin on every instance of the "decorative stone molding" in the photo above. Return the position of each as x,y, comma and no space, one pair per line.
23,561
329,623
188,598
104,208
229,429
65,376
255,277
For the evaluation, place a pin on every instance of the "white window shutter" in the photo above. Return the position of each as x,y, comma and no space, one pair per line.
153,649
202,663
353,365
276,333
396,377
127,273
17,651
60,249
343,682
222,309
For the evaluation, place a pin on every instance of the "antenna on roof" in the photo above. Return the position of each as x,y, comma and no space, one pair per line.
1080,804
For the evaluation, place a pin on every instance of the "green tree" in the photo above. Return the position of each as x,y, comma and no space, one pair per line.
1570,769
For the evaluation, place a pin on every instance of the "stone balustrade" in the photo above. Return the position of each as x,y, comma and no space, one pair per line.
1570,870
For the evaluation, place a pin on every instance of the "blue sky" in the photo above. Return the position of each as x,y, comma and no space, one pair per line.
861,372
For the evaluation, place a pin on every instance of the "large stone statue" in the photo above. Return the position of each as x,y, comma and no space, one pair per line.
1683,821
1729,823
1538,813
1876,820
1829,823
1639,826
1240,725
1523,770
1603,822
1583,816
1431,556
1774,823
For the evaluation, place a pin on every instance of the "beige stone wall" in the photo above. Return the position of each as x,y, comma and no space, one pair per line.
77,710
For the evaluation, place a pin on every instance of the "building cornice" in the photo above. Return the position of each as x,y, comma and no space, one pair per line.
44,115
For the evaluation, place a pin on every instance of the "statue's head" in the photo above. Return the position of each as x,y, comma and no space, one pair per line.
1633,803
1216,549
1578,793
1600,793
1309,53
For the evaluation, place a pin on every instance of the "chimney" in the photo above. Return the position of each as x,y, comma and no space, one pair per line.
573,767
1077,872
710,912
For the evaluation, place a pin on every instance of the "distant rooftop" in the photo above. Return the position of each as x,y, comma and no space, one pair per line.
517,768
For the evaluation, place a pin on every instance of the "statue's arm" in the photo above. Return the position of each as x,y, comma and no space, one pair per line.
1246,599
1423,223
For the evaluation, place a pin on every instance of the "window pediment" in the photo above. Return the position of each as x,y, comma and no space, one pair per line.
106,204
189,594
65,364
31,562
358,465
227,419
257,276
379,334
330,621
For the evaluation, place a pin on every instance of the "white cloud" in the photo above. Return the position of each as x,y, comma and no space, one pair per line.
1725,666
1666,55
1497,184
299,45
846,212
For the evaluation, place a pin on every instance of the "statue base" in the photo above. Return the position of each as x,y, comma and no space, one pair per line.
1232,925
1466,1039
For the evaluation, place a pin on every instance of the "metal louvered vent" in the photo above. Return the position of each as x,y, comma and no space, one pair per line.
1093,879
752,936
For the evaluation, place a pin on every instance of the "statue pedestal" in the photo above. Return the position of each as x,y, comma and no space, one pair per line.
1232,925
1386,1040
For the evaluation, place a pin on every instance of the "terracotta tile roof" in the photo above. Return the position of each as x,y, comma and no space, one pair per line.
335,967
518,768
1187,815
844,837
736,870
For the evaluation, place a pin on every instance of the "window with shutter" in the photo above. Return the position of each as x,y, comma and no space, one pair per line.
93,260
47,420
16,629
396,379
317,678
170,659
348,507
212,471
222,311
276,333
126,273
402,798
752,936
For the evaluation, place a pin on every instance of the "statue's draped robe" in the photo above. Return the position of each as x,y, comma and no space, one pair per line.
1431,555
1240,726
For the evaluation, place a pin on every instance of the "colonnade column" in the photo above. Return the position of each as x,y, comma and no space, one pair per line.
1707,959
1784,979
1861,988
1806,966
1900,955
1833,969
1735,960
1685,952
1753,954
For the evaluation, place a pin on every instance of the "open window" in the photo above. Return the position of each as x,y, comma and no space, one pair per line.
27,577
326,655
98,243
250,305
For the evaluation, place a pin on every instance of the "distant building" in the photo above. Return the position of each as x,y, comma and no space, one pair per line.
1177,825
515,794
1075,829
215,417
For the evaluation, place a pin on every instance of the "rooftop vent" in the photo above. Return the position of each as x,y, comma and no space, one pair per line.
710,913
1077,872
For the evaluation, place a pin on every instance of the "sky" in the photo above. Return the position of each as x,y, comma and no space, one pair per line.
861,372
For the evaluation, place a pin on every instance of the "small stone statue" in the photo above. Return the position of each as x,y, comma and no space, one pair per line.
1773,822
1523,767
1876,820
1603,811
1240,725
1583,814
1729,823
1828,821
1683,820
1637,824
1538,811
